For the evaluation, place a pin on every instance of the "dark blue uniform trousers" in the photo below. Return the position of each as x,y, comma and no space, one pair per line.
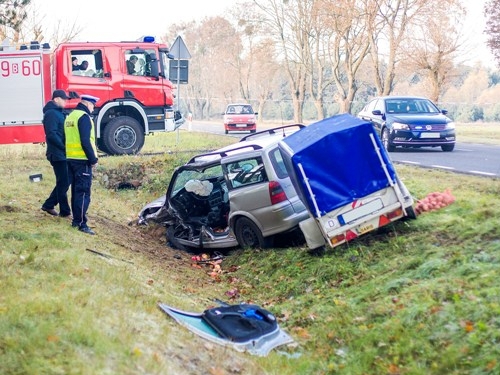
59,195
80,176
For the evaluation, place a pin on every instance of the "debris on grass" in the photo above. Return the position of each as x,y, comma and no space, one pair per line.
434,201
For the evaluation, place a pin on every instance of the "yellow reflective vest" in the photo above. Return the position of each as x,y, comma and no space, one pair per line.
74,148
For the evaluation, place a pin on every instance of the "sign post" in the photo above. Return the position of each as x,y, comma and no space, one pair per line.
180,51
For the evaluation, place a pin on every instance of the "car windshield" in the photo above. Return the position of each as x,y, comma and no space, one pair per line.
239,109
410,106
187,175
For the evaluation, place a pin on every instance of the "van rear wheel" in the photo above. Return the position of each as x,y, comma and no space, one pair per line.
249,235
123,136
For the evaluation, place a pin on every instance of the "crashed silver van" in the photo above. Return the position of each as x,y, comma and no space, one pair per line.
238,195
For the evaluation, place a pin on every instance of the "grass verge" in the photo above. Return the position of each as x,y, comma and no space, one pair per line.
417,297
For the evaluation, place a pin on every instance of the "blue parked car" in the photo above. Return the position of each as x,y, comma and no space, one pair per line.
407,121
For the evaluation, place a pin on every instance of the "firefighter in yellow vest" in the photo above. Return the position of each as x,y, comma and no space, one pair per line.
81,155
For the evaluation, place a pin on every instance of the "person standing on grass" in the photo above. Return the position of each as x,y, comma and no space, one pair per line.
53,125
81,153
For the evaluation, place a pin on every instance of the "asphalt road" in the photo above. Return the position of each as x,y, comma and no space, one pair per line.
469,158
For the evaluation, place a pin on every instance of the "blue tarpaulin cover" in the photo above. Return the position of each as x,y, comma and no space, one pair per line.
340,161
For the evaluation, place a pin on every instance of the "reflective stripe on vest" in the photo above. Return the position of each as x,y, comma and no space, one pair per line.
74,148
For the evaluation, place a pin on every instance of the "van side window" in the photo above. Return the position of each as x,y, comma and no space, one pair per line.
246,172
278,163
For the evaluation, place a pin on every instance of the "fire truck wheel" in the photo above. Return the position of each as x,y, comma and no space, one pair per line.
101,146
123,136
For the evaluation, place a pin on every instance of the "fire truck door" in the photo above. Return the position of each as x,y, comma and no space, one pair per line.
94,77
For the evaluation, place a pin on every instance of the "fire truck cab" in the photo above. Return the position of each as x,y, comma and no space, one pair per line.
129,78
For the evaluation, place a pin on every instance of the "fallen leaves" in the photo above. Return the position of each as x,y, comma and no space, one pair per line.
467,325
393,369
53,338
233,293
302,333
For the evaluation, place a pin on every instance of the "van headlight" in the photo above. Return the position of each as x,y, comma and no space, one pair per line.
450,125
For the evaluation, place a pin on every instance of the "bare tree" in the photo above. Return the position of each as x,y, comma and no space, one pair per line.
247,26
434,46
216,48
349,47
265,76
287,22
388,21
317,63
259,69
35,28
31,25
492,14
12,15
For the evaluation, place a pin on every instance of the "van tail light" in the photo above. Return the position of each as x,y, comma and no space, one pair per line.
276,192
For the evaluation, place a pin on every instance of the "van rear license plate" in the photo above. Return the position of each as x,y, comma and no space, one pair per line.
365,228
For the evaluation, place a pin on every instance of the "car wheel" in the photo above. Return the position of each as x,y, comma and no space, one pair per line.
385,141
253,131
249,235
447,148
227,131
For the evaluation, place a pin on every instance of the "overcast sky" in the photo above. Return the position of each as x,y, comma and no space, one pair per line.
113,20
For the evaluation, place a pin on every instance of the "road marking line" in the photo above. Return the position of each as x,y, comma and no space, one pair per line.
442,167
484,173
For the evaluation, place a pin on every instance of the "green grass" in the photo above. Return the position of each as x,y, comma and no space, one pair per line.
420,297
417,297
485,133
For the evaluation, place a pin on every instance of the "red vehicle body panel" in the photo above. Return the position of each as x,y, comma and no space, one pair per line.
25,86
147,90
143,101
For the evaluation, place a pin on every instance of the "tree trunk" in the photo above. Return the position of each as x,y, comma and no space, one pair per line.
297,109
320,110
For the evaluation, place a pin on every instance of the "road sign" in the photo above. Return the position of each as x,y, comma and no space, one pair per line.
179,71
179,49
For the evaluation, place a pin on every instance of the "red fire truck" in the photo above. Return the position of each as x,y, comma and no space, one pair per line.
130,78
